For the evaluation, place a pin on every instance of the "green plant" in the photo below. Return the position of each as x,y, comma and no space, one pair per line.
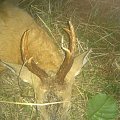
102,107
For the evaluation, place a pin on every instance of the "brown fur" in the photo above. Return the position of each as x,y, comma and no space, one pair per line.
13,23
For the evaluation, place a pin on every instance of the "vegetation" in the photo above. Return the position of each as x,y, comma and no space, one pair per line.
97,25
101,107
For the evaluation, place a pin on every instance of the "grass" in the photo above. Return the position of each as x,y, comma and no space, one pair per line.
97,26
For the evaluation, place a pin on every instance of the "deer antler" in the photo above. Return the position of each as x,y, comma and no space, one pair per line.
64,68
29,62
69,55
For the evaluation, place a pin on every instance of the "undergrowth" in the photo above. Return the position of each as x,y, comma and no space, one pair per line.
97,26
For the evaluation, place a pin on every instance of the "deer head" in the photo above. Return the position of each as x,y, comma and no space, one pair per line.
51,87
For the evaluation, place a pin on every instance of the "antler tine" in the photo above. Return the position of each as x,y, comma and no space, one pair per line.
69,55
29,62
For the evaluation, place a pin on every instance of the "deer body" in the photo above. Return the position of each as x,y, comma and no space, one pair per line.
23,41
13,23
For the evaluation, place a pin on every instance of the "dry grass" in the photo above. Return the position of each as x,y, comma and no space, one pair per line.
97,26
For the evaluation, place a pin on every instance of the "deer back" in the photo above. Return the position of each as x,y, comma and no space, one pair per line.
13,23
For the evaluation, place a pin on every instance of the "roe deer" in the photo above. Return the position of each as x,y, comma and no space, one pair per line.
50,73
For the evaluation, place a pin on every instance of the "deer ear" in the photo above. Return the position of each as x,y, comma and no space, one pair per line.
20,71
78,63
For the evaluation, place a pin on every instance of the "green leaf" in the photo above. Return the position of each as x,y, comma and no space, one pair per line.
102,107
